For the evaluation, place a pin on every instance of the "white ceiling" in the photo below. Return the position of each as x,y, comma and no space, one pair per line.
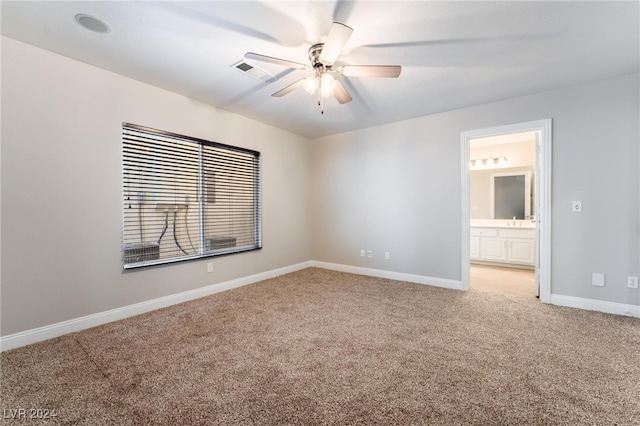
453,54
503,139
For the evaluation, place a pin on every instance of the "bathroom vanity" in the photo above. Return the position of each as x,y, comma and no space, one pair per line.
503,243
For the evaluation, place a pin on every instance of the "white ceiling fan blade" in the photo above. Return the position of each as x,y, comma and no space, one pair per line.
387,71
277,61
290,88
341,93
337,38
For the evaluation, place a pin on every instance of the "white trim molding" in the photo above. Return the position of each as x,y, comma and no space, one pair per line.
399,276
65,327
543,168
596,305
39,334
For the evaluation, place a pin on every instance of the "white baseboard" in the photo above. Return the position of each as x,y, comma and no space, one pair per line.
381,273
596,305
54,330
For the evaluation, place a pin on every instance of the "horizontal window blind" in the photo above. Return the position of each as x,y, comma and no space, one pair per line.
186,198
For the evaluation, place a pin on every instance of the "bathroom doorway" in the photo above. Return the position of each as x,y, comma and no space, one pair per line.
502,214
506,187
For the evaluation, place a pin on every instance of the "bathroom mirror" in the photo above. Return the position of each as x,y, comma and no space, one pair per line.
511,195
483,193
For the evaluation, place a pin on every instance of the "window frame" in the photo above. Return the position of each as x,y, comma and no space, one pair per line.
201,188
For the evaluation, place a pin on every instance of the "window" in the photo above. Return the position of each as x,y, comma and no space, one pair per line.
186,198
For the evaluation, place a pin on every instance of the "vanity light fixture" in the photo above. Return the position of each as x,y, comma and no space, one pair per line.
488,161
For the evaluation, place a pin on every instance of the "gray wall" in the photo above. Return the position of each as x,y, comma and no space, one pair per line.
62,189
397,188
391,188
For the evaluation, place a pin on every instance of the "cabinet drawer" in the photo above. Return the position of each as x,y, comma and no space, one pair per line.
483,232
518,233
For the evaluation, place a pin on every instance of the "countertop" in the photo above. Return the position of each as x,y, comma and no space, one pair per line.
503,223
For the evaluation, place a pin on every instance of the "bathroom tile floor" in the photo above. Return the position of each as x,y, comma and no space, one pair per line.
517,282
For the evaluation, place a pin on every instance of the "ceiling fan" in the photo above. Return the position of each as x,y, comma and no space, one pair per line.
322,57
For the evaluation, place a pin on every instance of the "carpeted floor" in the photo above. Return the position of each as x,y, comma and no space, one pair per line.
324,347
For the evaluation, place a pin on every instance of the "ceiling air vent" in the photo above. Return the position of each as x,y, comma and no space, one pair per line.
253,71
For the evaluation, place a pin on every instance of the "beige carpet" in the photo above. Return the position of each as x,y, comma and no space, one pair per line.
323,347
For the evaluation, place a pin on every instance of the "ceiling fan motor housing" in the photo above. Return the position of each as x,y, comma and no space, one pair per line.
314,55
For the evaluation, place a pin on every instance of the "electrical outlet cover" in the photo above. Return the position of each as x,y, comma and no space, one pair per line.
597,280
632,282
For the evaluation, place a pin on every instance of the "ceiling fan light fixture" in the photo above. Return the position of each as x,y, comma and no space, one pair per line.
322,57
310,84
327,84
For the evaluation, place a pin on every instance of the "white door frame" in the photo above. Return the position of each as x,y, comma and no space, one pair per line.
543,189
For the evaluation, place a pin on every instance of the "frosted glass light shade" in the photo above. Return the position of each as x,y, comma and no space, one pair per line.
310,84
327,84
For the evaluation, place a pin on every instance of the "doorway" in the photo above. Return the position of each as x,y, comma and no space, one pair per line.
506,236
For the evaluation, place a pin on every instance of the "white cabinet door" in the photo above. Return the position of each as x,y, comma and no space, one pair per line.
507,246
474,248
494,249
521,251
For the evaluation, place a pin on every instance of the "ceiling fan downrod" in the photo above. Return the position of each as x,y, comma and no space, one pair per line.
321,69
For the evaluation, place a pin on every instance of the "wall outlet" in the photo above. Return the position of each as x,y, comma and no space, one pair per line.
369,254
576,206
632,282
362,253
387,256
597,280
210,267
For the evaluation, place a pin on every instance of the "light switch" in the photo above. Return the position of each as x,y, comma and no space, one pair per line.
576,206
